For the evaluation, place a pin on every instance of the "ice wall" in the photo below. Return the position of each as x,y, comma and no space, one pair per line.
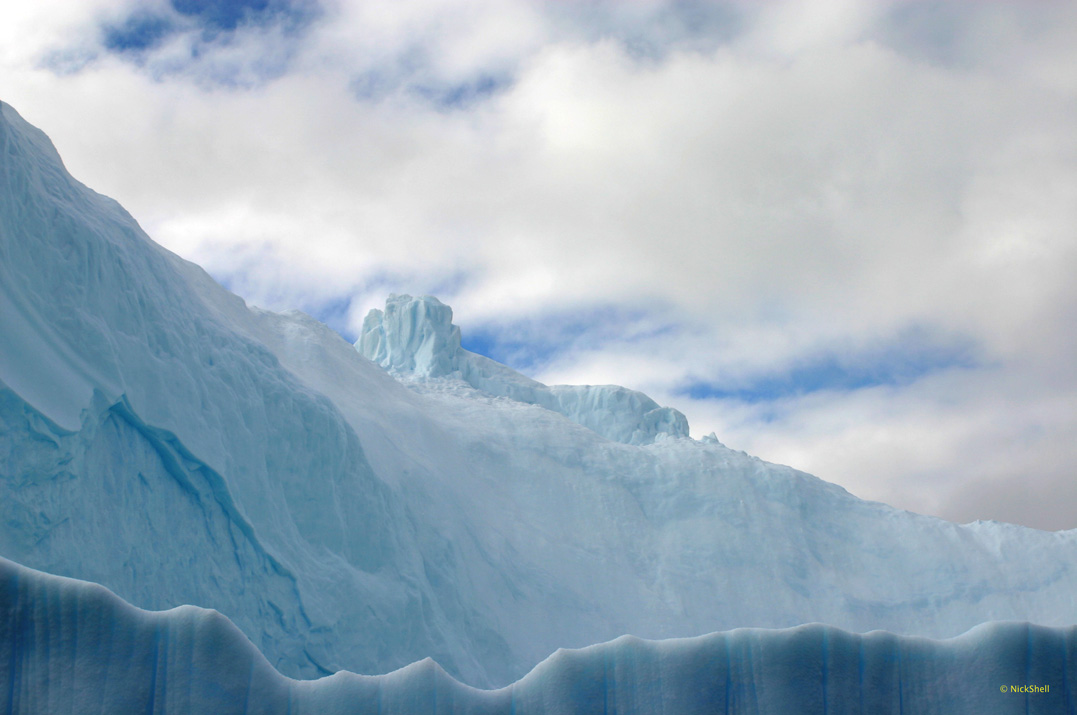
415,336
152,442
162,438
73,647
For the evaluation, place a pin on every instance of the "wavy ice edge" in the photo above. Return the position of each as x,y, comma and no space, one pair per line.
69,646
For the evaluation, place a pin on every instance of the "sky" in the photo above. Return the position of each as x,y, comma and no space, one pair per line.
840,234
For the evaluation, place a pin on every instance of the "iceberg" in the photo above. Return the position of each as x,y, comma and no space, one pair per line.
72,646
163,439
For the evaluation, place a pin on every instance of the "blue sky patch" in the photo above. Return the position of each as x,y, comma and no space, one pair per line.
912,355
226,15
140,31
210,24
530,343
377,84
462,95
221,14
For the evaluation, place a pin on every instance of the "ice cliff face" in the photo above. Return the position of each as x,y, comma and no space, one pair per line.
412,336
73,647
416,337
161,438
150,442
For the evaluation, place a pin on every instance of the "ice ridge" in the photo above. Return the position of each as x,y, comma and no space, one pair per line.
71,646
416,337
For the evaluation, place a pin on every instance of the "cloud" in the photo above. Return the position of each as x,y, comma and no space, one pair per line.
847,224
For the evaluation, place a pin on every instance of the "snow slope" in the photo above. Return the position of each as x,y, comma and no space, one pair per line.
71,646
160,437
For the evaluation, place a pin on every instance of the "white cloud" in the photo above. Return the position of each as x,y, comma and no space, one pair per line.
781,180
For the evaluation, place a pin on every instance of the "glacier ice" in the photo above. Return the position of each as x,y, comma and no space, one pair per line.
73,647
416,337
160,437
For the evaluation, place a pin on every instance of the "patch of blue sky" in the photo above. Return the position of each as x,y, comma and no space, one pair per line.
216,16
448,97
910,356
377,84
140,31
531,343
522,355
211,24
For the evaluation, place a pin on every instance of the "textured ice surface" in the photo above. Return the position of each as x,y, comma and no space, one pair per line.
160,437
416,337
72,647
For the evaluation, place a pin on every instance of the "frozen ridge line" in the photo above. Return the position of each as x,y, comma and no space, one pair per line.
74,647
416,337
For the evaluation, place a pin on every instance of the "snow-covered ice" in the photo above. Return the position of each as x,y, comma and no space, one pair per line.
160,437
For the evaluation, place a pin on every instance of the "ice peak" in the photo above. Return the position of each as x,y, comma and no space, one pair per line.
412,335
415,336
14,128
